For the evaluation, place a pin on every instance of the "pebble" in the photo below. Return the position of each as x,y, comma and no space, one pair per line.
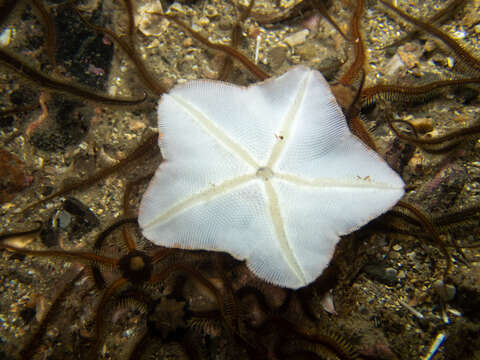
393,65
135,125
445,291
397,247
64,219
147,23
188,42
203,21
411,255
297,38
211,11
277,56
253,31
390,274
379,272
196,27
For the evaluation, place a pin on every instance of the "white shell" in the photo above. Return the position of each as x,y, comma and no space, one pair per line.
269,173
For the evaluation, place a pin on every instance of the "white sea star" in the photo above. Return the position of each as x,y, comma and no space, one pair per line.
269,173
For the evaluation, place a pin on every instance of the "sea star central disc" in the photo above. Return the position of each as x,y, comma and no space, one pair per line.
269,173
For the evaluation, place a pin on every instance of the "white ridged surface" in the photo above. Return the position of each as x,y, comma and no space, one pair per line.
270,174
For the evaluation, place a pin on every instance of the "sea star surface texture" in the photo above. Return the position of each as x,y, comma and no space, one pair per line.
269,173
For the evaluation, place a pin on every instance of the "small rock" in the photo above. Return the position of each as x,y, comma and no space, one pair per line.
277,56
394,64
411,255
135,125
253,31
203,21
211,11
147,23
187,64
445,291
397,247
391,274
188,42
297,38
381,273
64,219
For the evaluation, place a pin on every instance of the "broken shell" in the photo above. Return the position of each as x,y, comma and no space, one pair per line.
422,125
